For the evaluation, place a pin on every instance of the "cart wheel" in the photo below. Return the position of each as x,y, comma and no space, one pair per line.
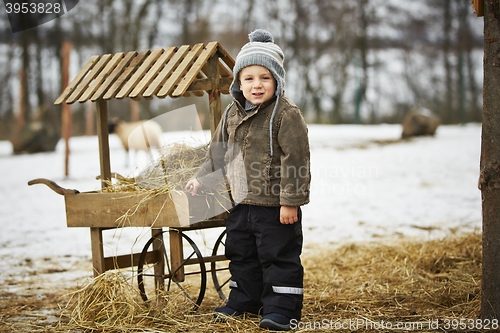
220,268
192,285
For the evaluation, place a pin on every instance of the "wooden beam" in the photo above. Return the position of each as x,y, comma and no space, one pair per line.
129,260
478,7
103,141
92,74
79,77
126,74
214,94
165,73
193,72
114,210
153,72
159,249
139,73
96,84
206,84
97,251
225,57
179,72
176,254
115,74
66,120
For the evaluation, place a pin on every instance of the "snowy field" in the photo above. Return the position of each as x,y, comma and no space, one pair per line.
366,185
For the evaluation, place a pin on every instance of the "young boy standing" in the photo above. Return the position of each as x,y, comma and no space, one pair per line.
270,183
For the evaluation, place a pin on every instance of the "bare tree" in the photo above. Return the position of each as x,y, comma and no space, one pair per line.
489,181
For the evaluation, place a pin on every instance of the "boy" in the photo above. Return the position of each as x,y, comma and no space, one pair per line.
269,180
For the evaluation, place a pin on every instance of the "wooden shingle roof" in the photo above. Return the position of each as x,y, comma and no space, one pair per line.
174,72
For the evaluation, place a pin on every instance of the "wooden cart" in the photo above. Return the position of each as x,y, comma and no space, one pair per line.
175,72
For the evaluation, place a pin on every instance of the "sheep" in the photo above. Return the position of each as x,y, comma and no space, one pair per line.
137,135
419,122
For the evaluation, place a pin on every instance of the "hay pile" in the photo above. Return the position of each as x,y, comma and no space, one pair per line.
176,164
405,282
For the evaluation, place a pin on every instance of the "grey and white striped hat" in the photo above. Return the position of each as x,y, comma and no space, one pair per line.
262,51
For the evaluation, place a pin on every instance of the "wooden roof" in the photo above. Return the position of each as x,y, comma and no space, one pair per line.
174,72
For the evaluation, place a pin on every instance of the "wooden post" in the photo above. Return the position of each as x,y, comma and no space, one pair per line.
134,110
103,138
214,95
97,251
66,108
176,253
22,92
20,119
89,119
159,268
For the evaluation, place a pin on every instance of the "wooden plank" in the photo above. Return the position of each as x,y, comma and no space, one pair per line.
201,84
180,70
153,72
101,77
206,224
139,73
97,251
165,73
127,260
198,93
115,210
79,77
103,142
478,7
126,74
176,254
193,72
171,209
159,268
225,84
152,257
92,74
225,57
206,84
117,71
224,72
214,95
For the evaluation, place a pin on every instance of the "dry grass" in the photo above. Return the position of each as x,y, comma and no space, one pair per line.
406,281
177,163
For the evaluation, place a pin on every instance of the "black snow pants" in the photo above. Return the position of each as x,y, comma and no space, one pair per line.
265,266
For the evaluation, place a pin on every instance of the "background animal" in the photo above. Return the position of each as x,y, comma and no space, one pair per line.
419,122
138,136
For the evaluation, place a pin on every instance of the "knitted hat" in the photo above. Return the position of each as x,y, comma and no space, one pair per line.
262,51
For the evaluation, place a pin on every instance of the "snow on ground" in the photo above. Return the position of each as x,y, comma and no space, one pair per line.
424,187
366,185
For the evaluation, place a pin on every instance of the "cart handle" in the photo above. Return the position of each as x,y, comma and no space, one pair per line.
56,188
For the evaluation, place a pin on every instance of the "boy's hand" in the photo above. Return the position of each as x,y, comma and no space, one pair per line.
289,214
192,186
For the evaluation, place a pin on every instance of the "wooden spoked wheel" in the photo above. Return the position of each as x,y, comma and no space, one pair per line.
220,268
156,272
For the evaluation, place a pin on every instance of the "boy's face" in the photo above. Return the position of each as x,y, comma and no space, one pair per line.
257,84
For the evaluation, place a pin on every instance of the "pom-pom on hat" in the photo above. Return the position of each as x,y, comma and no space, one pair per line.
262,51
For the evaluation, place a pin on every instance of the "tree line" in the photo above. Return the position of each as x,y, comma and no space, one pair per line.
361,61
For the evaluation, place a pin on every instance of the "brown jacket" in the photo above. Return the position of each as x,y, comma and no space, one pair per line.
241,147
